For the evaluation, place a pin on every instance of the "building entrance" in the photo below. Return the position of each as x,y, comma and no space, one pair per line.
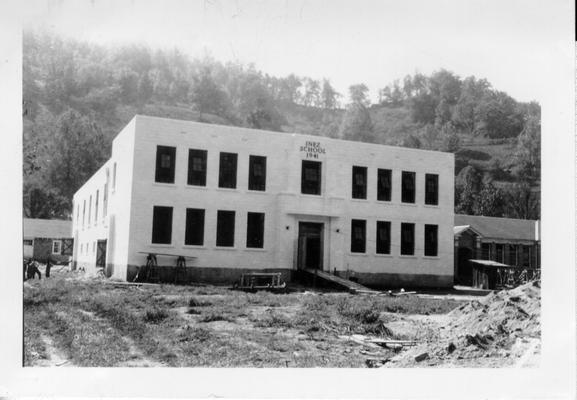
310,245
101,254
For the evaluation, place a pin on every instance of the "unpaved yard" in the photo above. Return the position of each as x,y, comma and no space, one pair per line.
70,320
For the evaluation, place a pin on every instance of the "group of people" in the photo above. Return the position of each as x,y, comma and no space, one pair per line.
31,269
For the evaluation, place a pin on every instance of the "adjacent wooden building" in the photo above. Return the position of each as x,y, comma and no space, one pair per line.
506,241
47,238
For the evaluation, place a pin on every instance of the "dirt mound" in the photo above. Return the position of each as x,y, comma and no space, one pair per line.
496,331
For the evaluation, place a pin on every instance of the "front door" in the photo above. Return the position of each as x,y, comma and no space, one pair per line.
310,250
101,254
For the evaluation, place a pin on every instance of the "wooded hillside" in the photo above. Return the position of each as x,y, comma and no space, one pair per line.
77,96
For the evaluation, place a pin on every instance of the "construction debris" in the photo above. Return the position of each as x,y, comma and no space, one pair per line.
495,331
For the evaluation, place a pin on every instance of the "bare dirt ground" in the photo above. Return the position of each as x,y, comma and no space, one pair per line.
72,320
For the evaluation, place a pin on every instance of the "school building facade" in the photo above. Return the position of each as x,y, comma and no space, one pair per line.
234,200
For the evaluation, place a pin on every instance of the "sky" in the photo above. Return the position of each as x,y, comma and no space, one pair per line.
372,42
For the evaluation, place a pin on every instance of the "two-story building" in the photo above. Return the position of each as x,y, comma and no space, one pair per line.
234,200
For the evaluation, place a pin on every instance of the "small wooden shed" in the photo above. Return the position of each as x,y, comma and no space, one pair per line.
488,274
47,238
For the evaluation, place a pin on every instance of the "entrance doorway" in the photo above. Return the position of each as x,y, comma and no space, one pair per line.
465,271
310,245
101,254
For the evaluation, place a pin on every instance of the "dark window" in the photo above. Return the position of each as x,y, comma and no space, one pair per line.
359,182
165,164
499,252
257,173
255,230
526,254
311,177
227,171
384,184
407,239
512,255
83,213
432,189
197,167
105,200
89,210
96,209
383,237
194,234
225,229
431,233
162,225
358,235
485,251
114,177
408,187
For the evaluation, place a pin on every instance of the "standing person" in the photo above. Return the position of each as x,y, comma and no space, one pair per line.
25,270
32,270
48,266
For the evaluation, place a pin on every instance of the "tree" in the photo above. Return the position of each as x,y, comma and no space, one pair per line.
490,201
450,139
523,202
78,150
466,115
499,116
145,89
359,94
527,165
357,124
207,96
329,96
312,94
467,184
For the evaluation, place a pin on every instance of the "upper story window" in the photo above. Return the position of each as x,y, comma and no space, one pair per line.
89,210
359,182
105,200
255,230
358,235
96,209
257,173
383,237
197,167
408,187
311,177
407,239
165,164
83,213
162,225
114,177
227,170
431,242
432,189
225,228
384,184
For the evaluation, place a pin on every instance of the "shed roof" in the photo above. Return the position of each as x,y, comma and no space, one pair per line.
47,228
499,228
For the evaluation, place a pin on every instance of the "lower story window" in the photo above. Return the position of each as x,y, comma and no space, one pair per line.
255,230
162,225
225,229
56,246
358,235
28,242
383,237
431,242
407,239
194,234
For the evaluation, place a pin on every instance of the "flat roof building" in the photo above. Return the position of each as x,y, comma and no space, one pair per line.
234,200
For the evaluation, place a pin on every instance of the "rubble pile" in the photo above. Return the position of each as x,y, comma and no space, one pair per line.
497,331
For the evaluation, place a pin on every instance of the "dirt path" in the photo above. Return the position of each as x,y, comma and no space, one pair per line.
55,358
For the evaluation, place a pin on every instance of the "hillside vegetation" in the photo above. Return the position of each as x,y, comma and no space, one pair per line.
78,96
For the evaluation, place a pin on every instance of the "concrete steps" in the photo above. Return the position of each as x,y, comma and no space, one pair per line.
351,286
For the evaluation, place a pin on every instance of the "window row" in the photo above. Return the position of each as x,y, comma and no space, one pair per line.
383,238
195,227
197,168
384,185
94,217
311,183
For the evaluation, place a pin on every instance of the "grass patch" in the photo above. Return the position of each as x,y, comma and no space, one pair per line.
156,315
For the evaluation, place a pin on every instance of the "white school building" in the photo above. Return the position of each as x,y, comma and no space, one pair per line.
234,200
